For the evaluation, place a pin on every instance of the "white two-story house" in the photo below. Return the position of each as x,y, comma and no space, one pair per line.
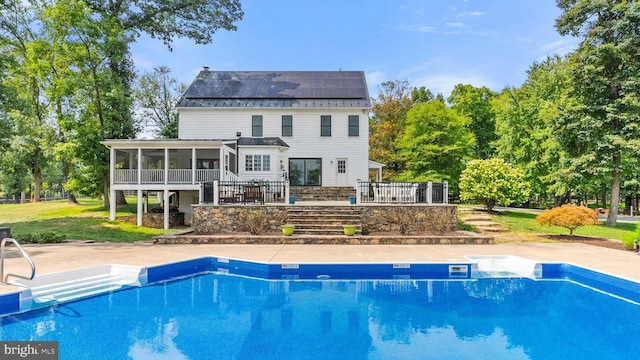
310,128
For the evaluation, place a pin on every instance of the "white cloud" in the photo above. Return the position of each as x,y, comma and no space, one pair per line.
560,47
374,79
456,24
444,82
478,13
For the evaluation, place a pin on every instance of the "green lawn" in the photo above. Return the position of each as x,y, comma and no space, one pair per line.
87,221
524,222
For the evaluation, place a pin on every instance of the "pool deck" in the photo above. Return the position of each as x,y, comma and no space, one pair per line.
71,256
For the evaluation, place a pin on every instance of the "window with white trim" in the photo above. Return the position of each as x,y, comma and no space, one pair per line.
257,163
325,125
354,125
256,126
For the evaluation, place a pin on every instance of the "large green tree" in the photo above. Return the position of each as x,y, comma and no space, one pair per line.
524,125
83,70
436,144
156,95
604,126
475,104
19,40
386,126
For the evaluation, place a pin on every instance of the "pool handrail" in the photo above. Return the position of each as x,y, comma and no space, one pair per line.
3,277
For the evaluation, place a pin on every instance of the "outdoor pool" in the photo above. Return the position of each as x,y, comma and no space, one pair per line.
214,308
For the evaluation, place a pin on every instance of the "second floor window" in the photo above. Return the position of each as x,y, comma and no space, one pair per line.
325,125
257,163
354,125
287,125
256,126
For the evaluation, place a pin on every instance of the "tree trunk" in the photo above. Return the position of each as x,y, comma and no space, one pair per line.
105,190
604,197
37,179
615,198
71,199
120,199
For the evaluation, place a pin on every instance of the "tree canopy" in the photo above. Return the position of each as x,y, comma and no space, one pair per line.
603,126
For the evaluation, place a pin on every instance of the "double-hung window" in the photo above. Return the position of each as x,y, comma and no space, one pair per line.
287,125
354,125
256,126
325,125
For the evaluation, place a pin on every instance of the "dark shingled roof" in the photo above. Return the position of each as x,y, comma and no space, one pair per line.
267,141
277,89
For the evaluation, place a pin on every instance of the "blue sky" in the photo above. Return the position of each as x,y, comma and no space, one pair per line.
430,43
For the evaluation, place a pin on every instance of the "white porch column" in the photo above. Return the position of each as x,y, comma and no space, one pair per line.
139,166
112,166
166,165
112,193
193,166
112,204
429,192
223,165
165,206
139,211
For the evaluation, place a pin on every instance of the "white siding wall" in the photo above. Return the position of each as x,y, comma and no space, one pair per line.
306,141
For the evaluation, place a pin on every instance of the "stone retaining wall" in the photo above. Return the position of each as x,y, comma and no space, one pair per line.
209,219
156,220
460,238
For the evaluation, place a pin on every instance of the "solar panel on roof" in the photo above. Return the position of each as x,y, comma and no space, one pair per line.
297,84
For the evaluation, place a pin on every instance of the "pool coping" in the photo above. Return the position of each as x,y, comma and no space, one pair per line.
21,300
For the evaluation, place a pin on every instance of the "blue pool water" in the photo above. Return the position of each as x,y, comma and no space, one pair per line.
221,309
225,316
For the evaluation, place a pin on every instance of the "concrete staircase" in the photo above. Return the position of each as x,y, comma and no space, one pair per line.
323,220
316,193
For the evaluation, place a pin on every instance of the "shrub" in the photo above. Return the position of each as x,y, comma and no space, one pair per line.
568,216
493,182
254,221
46,237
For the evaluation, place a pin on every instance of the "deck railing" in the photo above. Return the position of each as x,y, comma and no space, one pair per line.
228,192
402,192
157,176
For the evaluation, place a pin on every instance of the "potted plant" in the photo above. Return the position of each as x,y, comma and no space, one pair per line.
287,229
349,230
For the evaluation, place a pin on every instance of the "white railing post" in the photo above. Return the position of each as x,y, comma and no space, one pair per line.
445,192
216,195
429,192
358,191
286,192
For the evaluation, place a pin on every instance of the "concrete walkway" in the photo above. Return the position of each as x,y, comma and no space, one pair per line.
69,256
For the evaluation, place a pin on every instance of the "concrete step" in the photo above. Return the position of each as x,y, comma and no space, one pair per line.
484,223
490,229
478,217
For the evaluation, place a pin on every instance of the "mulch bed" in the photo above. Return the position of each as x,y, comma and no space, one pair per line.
596,241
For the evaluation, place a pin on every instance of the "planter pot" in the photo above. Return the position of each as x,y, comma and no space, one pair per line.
292,200
287,230
352,200
349,230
